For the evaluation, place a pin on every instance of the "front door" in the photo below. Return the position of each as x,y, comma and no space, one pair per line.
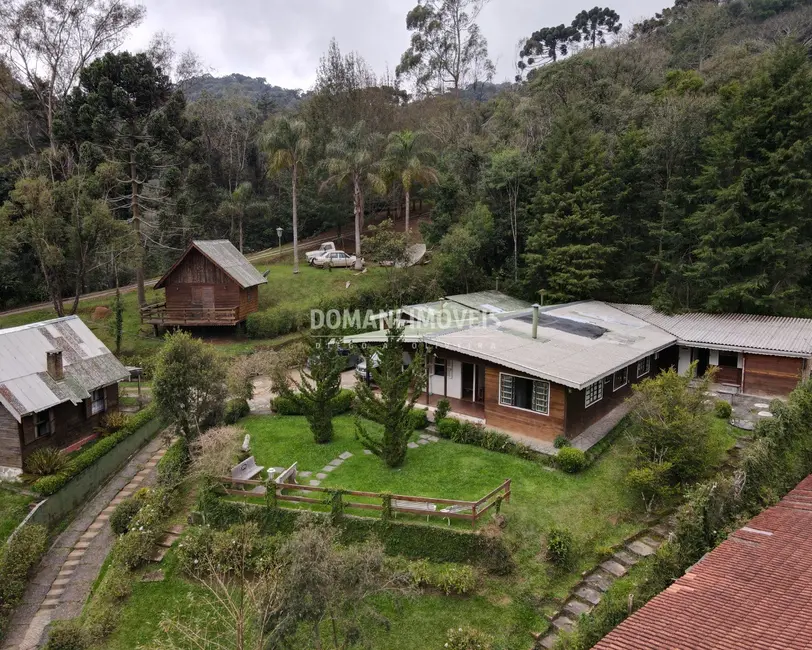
702,358
468,381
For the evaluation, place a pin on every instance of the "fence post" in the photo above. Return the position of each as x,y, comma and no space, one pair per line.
474,516
507,492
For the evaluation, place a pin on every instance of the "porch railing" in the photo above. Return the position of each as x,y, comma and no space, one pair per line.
158,314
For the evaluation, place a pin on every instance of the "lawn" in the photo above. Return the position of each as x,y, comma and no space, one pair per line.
13,509
284,291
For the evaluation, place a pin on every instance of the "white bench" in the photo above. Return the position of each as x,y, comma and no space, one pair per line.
288,476
454,510
418,507
246,470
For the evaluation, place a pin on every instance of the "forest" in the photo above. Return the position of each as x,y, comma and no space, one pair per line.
663,162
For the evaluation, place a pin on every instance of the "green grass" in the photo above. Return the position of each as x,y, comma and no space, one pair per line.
13,509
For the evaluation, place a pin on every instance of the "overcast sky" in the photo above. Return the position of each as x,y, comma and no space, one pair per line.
282,40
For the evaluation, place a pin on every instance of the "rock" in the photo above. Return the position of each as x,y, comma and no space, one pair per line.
745,425
764,414
761,405
422,441
100,313
412,445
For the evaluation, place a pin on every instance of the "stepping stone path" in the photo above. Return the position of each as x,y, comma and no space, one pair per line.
589,592
412,445
764,414
367,452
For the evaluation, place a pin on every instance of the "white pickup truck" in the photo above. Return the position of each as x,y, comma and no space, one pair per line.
326,247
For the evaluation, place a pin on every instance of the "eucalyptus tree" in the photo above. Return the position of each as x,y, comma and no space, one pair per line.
447,47
408,160
286,144
46,45
352,160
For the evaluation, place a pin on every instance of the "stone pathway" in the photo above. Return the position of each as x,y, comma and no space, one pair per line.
72,564
589,592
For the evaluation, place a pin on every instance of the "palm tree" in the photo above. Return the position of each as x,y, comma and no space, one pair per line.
408,161
351,161
286,145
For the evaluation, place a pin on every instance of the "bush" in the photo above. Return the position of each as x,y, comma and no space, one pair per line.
447,428
68,635
650,481
468,433
723,410
47,485
441,410
114,421
468,639
571,460
418,419
447,577
236,409
134,549
21,554
560,546
125,511
341,403
46,461
172,467
561,442
271,323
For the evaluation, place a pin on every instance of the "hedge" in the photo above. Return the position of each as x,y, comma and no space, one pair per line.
50,484
172,467
414,541
236,409
468,433
20,555
286,406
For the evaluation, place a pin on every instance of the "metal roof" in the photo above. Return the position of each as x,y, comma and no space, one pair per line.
25,385
222,253
775,335
576,345
490,302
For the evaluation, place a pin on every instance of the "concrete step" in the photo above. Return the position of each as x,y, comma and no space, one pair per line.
549,640
576,607
158,554
589,595
167,540
563,623
599,580
614,567
626,557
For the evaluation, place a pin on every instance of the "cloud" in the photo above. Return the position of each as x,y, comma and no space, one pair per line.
282,40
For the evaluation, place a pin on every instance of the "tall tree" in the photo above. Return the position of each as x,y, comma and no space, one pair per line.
597,24
124,108
352,161
447,46
47,44
755,226
546,45
286,144
408,160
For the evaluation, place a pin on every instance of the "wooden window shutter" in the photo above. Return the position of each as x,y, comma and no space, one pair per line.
29,429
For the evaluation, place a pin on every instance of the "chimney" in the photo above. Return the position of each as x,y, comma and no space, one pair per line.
536,321
55,368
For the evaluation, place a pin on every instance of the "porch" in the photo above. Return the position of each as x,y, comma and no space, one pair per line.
158,314
467,408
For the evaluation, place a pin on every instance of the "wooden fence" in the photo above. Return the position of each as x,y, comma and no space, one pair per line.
158,314
397,503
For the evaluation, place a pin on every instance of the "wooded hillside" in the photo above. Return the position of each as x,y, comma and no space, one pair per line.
667,161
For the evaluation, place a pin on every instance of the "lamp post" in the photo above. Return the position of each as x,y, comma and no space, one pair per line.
279,235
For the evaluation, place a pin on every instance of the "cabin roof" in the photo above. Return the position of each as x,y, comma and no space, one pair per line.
223,254
25,385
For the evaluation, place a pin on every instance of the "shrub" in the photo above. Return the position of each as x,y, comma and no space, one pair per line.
469,433
46,461
134,549
560,546
418,419
124,513
650,481
172,467
571,460
561,442
441,410
114,421
236,409
448,427
468,639
448,577
50,484
341,403
21,554
68,635
723,410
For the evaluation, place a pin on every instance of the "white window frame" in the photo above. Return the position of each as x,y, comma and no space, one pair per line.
625,372
532,397
94,401
646,364
598,387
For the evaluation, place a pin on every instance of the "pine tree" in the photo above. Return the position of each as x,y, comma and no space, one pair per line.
755,227
568,252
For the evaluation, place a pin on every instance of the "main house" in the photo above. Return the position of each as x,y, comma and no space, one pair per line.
212,283
57,380
555,371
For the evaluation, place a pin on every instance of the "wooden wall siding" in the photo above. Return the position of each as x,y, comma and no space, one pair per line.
528,423
579,416
769,375
70,423
188,296
10,455
196,268
728,375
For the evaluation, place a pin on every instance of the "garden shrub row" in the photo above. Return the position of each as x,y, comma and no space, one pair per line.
779,458
469,433
341,403
20,555
172,467
413,541
50,484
